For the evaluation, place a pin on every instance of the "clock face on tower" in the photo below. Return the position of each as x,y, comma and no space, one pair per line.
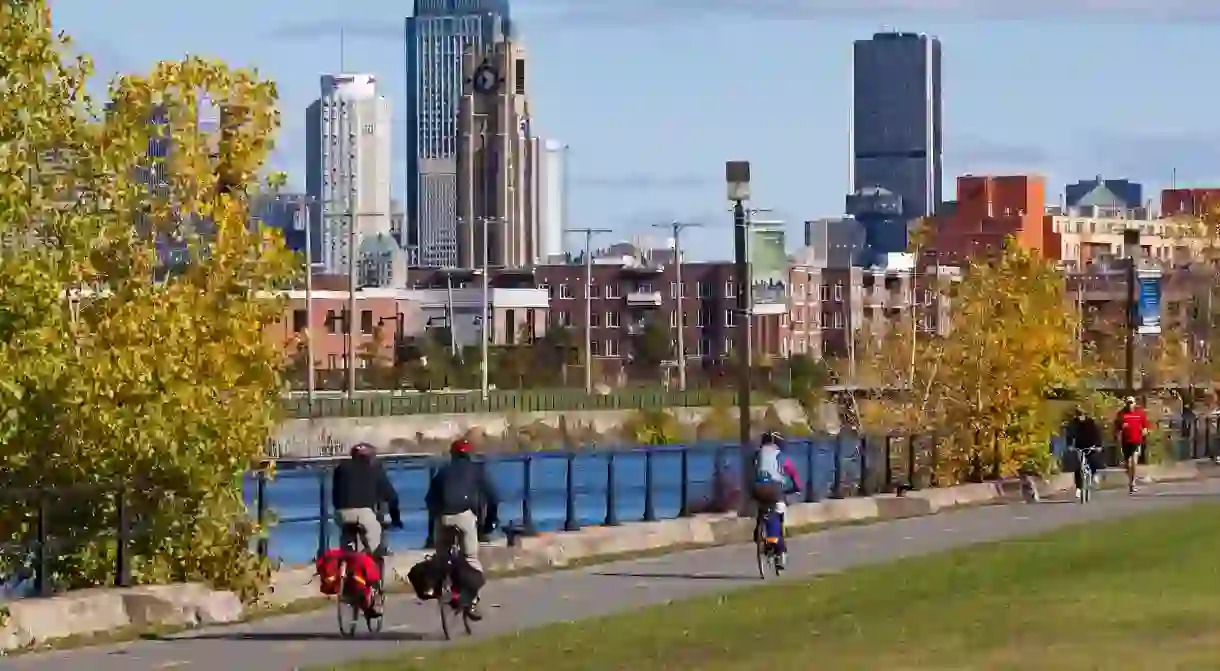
486,79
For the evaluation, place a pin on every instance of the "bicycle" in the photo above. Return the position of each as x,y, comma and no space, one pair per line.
767,548
350,602
451,607
1086,472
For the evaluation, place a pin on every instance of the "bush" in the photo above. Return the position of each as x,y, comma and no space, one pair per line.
161,379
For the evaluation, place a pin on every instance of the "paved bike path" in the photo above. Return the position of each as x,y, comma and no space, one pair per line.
298,641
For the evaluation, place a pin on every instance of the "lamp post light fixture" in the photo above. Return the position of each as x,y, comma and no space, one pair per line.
737,182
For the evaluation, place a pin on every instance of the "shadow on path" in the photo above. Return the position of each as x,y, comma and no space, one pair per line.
681,576
277,636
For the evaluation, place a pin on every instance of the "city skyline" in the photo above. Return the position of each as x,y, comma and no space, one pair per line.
635,164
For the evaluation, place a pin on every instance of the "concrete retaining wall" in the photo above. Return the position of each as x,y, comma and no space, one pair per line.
33,621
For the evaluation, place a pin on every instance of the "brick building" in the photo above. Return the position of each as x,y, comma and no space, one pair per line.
989,209
1189,202
827,304
628,291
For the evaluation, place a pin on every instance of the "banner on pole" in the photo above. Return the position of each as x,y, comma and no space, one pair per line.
1148,296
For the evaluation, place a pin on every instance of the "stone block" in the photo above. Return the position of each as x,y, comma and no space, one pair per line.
188,604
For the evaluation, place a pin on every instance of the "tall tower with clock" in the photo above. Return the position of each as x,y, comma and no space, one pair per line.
498,160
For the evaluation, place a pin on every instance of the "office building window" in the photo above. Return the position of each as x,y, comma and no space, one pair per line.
823,292
565,291
593,289
366,321
730,318
703,289
332,322
298,321
612,290
838,320
595,320
595,347
611,319
730,290
611,348
838,292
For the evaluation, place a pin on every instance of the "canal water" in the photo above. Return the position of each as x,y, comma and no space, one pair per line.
293,496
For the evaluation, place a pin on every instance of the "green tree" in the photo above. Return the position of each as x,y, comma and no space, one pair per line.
170,385
651,349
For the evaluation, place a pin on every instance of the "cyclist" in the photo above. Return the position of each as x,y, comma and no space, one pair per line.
455,494
1131,426
1083,434
774,478
360,485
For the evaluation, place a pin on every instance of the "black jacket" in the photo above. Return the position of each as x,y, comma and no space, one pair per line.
1083,432
361,482
463,485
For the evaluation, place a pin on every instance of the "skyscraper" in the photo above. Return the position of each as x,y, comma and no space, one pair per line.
896,119
348,170
438,34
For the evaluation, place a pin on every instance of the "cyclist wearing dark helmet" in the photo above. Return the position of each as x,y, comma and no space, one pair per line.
358,489
455,496
774,478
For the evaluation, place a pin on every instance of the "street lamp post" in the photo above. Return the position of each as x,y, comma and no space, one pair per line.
737,178
589,233
483,353
1131,241
311,372
676,229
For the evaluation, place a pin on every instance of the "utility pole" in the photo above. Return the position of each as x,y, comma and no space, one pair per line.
676,229
1131,239
484,386
303,217
589,233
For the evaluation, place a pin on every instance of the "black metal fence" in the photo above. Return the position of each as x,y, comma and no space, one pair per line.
555,491
46,521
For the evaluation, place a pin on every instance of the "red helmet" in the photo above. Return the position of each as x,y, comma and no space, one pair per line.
461,446
361,450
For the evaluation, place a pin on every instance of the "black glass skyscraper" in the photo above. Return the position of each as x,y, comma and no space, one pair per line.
896,119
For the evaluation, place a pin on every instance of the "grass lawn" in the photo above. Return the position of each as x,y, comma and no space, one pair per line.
1138,594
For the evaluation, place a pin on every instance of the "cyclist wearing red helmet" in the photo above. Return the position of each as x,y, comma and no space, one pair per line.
359,487
458,491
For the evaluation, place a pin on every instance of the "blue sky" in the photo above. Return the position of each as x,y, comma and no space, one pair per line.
653,96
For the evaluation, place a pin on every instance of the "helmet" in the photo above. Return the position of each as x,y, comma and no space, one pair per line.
771,438
461,446
1130,400
362,450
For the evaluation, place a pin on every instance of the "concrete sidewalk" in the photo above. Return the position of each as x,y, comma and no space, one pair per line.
297,641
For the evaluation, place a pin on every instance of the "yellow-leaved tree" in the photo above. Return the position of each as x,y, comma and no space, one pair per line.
975,367
111,368
1012,343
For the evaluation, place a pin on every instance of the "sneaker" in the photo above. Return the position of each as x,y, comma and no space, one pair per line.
781,561
1079,494
1132,489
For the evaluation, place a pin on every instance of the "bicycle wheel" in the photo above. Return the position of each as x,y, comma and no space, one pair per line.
442,602
466,622
375,624
760,544
349,610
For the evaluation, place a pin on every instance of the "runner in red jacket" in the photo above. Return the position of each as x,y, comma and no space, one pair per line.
1131,427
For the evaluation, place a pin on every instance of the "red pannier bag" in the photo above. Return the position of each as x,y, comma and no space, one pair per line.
363,575
328,567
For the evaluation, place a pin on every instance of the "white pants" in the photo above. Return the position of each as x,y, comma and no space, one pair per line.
781,506
370,526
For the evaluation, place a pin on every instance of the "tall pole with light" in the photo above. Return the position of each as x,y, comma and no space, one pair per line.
1131,241
737,179
676,229
589,233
